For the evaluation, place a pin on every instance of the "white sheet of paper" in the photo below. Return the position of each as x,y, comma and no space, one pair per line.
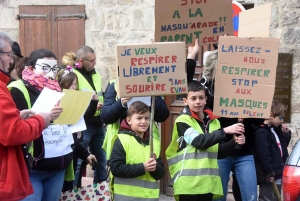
80,126
46,100
57,140
145,99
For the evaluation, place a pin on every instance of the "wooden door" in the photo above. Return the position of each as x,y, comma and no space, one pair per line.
56,28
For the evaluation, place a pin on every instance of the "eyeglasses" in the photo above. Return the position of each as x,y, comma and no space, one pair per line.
47,69
92,60
281,118
10,54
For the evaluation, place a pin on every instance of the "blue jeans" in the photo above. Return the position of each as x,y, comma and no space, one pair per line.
243,168
47,185
94,137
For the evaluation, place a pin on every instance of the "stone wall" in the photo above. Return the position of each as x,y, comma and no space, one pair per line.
109,22
285,24
112,22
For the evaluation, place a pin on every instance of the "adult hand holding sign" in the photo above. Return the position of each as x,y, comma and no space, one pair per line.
55,112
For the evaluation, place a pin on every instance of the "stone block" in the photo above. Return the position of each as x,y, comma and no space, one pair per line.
8,18
107,35
96,20
119,17
90,39
290,18
290,3
12,33
142,19
274,16
295,120
129,2
291,36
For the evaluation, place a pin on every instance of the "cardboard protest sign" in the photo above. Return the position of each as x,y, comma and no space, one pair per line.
151,69
187,20
245,77
255,22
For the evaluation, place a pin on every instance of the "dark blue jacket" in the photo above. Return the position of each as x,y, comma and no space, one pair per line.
268,160
113,110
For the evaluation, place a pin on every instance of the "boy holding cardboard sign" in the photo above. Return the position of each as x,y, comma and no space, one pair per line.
192,154
135,175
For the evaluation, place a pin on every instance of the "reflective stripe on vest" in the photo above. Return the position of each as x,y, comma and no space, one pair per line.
84,84
136,182
139,188
197,172
118,197
194,171
194,155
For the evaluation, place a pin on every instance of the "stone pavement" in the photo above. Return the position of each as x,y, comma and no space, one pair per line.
169,198
89,180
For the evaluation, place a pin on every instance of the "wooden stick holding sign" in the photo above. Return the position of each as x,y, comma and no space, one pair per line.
151,126
152,69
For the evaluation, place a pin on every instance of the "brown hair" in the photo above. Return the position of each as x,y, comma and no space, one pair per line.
69,59
278,109
20,65
137,107
65,80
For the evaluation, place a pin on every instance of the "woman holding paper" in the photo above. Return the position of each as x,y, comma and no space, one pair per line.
50,155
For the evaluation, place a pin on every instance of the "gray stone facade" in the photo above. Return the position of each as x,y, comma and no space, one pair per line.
285,24
112,22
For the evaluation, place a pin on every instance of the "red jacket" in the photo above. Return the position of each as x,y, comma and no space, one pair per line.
14,178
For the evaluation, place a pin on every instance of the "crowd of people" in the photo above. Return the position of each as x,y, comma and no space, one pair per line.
204,148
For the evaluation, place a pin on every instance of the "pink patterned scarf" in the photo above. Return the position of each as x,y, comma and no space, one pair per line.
38,81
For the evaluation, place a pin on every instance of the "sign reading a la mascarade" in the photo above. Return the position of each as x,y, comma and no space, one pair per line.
245,77
188,20
151,69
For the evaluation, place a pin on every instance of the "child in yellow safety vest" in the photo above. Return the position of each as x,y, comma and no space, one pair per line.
135,174
192,154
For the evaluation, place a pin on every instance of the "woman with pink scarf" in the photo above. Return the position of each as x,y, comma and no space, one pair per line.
49,155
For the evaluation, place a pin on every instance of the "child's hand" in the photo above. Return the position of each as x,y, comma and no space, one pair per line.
95,97
90,159
193,51
150,165
239,139
284,128
55,112
99,105
235,129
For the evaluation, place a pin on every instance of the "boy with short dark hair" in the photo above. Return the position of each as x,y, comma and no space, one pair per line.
192,154
271,141
135,174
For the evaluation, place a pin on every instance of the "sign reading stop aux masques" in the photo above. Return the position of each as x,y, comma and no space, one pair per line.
245,77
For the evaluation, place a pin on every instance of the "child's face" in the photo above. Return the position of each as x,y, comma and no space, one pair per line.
139,123
73,85
196,100
276,121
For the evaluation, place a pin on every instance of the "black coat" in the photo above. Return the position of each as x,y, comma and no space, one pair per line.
113,110
268,160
